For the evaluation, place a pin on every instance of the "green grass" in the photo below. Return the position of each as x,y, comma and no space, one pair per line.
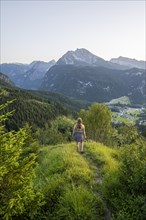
125,120
67,180
104,156
117,118
85,186
122,100
131,116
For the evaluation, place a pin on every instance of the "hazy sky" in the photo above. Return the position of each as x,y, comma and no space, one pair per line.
45,30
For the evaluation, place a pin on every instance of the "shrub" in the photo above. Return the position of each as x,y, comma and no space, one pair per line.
125,190
59,131
97,120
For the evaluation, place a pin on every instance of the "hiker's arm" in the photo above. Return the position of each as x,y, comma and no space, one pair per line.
84,132
73,130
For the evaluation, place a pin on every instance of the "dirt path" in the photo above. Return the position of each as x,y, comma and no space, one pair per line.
94,165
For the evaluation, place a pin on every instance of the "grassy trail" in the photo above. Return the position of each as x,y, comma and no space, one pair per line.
72,182
96,166
105,161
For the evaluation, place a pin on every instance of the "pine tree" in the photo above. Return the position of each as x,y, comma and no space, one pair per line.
17,194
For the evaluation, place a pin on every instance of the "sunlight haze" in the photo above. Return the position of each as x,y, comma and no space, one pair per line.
45,30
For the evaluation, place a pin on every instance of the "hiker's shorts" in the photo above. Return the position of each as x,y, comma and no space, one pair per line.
78,136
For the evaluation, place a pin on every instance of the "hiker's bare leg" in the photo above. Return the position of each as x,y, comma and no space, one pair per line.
77,144
81,146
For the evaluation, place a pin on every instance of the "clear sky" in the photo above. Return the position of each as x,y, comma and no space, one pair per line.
45,30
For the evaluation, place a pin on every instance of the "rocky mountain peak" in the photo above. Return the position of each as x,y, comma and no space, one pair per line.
79,57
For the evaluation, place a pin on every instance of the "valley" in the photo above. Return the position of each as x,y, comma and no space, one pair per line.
131,115
124,112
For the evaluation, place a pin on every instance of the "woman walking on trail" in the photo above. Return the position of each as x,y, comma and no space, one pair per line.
79,135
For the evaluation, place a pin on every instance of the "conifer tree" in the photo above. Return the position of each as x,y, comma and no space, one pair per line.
17,194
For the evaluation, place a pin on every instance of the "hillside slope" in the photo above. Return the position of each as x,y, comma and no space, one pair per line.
30,108
37,107
5,81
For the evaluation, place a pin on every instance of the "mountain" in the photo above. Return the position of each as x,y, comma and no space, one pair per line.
38,69
32,78
13,69
82,57
5,81
26,75
93,83
129,62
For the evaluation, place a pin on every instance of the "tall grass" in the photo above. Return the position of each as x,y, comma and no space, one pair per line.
103,156
65,178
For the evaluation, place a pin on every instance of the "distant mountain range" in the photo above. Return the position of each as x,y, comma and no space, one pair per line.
83,75
129,62
27,75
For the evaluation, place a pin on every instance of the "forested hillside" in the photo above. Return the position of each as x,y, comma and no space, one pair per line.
36,107
5,81
29,108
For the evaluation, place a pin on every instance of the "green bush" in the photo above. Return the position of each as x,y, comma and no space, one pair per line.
59,131
131,208
125,190
97,120
125,134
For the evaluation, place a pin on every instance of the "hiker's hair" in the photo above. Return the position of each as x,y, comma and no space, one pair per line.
79,123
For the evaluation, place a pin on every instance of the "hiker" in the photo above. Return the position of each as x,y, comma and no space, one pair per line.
79,135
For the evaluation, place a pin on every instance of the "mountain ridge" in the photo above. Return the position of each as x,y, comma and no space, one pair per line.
95,83
83,57
130,62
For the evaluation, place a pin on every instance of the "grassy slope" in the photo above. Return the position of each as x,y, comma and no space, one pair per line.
72,182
